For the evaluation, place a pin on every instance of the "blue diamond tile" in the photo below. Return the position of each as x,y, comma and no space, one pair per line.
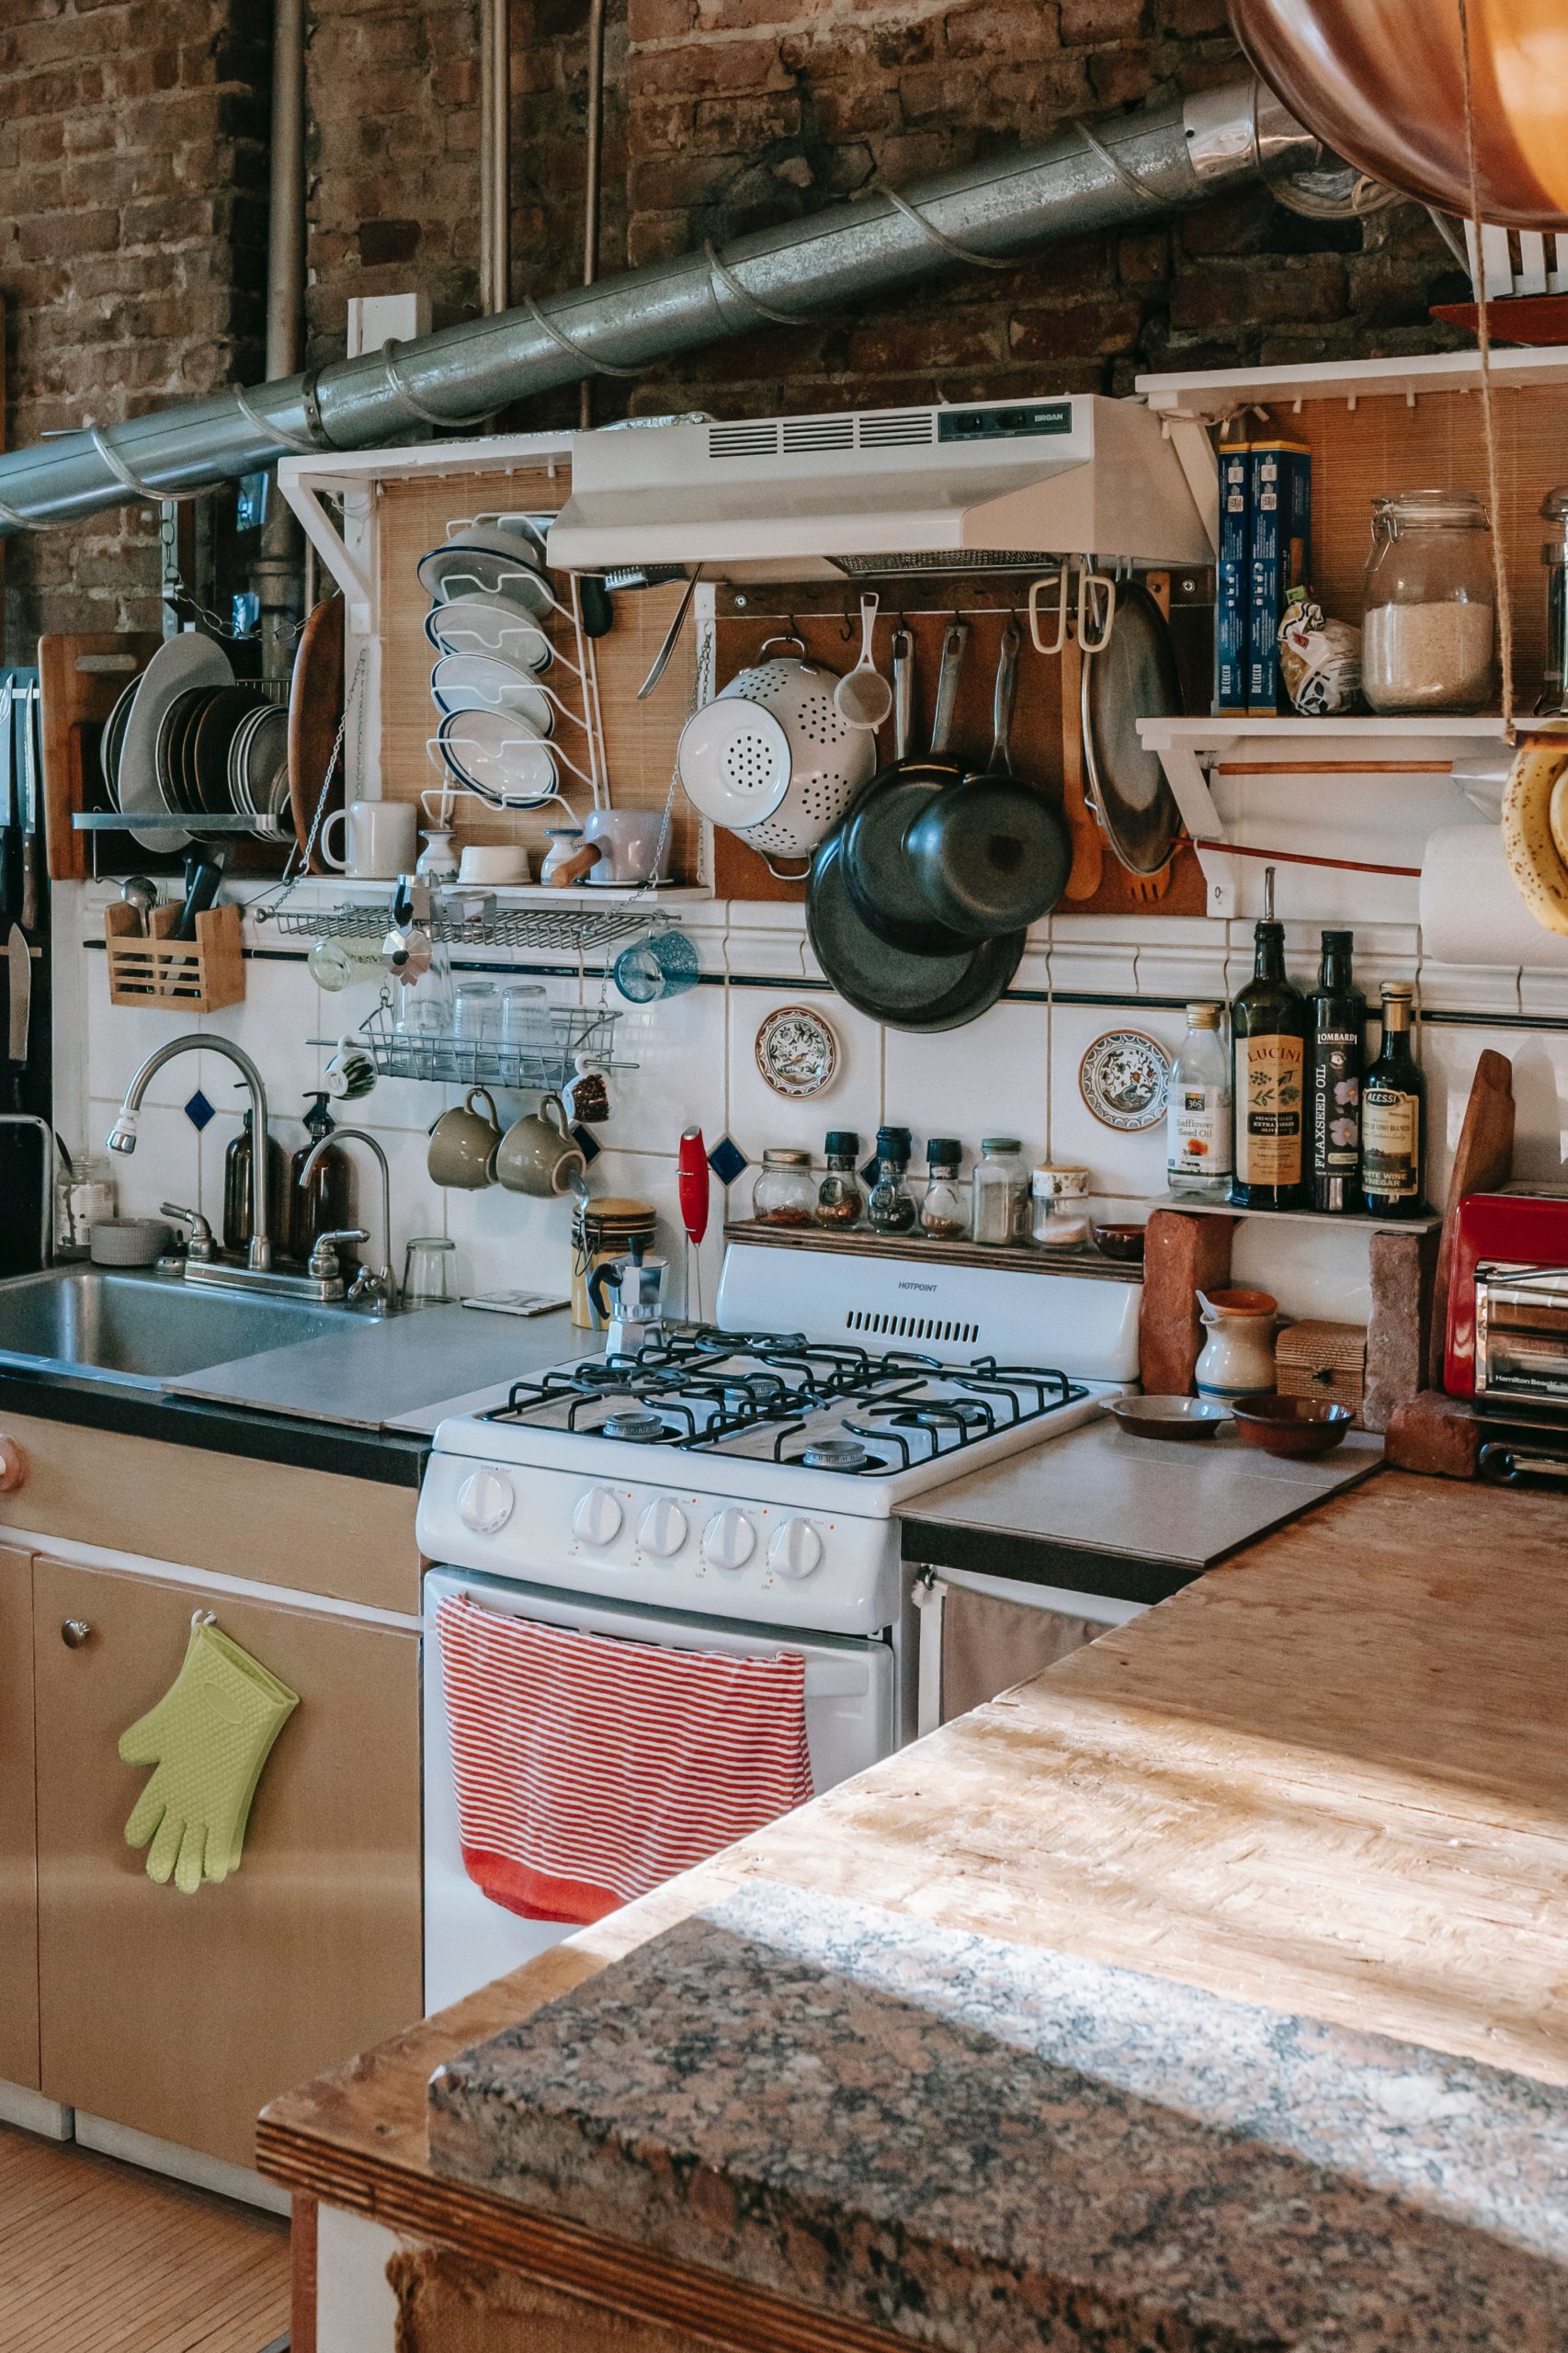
727,1161
197,1110
589,1144
868,1170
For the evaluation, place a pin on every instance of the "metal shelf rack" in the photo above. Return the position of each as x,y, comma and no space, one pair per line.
540,1069
462,920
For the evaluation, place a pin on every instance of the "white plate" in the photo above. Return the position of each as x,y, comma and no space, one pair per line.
179,664
481,682
489,625
466,568
503,763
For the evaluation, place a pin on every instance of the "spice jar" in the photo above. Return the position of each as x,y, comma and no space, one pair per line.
892,1206
1554,556
840,1202
1427,634
1000,1190
943,1212
785,1192
1059,1219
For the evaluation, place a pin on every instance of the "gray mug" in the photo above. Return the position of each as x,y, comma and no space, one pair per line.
462,1144
539,1154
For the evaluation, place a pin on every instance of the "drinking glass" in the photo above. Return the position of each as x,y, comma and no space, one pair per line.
474,1010
429,1272
527,1035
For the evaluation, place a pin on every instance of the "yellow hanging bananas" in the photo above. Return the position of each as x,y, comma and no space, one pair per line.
1531,843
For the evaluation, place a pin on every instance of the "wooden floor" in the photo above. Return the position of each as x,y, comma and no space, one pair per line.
99,2257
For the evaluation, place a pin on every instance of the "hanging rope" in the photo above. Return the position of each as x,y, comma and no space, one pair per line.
411,400
1114,163
266,430
1489,428
732,285
940,236
574,349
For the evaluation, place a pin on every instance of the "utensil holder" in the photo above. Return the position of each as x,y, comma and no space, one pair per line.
194,975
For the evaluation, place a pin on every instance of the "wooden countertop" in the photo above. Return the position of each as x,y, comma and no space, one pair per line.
1329,1777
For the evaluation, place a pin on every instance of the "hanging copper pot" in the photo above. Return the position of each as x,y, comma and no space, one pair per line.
1381,81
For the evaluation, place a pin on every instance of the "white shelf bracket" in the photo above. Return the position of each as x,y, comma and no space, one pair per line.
1199,462
303,492
1188,780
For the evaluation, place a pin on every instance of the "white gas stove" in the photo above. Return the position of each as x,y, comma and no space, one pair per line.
757,1473
734,1489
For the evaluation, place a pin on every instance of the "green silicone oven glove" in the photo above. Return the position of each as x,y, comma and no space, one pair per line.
206,1740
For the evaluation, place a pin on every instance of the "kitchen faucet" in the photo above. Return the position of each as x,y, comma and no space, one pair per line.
122,1135
377,1285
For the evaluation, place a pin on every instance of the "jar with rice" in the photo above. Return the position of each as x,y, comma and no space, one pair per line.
1429,625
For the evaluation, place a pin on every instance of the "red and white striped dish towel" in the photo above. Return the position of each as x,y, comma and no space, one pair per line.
590,1769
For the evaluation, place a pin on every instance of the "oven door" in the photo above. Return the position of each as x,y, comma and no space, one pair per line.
850,1723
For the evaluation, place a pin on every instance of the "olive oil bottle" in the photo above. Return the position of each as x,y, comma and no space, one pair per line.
1339,1049
1270,1024
1393,1117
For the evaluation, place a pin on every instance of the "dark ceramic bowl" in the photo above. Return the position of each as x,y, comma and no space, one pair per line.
1291,1425
1184,1419
1124,1242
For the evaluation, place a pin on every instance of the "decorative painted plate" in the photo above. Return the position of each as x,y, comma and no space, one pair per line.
795,1052
1124,1078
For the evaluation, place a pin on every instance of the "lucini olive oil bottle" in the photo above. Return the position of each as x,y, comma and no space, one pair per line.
1339,1049
1393,1117
1270,1024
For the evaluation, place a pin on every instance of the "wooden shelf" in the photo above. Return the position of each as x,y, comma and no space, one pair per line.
1019,1259
1225,726
1222,393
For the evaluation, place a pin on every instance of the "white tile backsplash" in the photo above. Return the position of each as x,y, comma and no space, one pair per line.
1015,1070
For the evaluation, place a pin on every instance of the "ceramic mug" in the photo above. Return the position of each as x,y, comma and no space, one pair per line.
540,1155
464,1145
379,837
629,841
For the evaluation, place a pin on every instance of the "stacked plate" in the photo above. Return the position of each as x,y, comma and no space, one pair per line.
488,626
186,740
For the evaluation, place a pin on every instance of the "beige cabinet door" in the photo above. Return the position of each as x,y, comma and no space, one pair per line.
18,1872
183,2015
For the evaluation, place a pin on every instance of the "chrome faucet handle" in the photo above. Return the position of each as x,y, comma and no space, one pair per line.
323,1257
201,1246
373,1286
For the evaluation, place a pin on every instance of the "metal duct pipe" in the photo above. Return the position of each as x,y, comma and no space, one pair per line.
1139,166
494,155
277,573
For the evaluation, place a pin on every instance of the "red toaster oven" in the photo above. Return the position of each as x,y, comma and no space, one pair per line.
1507,1335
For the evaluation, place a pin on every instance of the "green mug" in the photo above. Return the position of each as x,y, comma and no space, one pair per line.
463,1144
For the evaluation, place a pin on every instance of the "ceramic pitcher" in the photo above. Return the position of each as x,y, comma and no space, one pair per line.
1238,1354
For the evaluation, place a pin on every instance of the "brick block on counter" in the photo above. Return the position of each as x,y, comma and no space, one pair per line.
1404,1267
1434,1434
1182,1255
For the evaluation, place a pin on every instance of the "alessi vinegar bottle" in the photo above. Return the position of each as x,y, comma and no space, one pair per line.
1270,1022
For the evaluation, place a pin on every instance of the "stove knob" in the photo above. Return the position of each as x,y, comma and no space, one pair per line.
598,1517
662,1529
729,1540
485,1502
796,1550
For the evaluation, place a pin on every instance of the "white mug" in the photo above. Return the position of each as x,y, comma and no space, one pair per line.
494,863
379,840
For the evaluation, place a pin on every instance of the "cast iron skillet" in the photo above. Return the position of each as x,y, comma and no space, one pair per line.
906,988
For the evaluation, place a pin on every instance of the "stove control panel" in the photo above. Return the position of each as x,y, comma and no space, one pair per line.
832,1571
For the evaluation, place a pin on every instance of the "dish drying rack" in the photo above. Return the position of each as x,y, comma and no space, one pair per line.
467,919
541,1066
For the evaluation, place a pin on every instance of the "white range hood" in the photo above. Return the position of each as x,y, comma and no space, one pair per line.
878,490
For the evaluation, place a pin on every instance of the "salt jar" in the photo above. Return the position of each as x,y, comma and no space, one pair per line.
1238,1356
1426,639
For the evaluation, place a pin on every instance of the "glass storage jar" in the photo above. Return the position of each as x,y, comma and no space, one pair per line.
1428,626
785,1192
1554,556
840,1202
1059,1211
892,1206
943,1216
1000,1190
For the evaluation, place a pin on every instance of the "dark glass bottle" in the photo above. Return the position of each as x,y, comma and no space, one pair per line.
237,1191
1269,1021
324,1204
1393,1117
1339,1051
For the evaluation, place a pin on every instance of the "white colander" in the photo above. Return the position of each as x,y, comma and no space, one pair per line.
770,757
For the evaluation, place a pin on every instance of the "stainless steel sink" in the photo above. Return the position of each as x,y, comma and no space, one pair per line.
143,1329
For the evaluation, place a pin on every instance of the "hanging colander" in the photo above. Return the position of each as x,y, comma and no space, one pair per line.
771,759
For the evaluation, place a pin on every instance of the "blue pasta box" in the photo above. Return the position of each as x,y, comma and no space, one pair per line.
1281,518
1232,591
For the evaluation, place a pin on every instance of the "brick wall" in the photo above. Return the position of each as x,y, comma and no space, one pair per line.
131,176
132,233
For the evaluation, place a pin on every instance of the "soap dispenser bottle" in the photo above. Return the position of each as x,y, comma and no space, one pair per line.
237,1196
324,1202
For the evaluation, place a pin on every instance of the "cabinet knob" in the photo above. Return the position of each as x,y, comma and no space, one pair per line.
74,1632
12,1466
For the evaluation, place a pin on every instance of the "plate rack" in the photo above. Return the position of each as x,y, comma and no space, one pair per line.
585,1032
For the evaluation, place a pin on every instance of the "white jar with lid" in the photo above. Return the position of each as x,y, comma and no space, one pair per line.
1428,626
1059,1218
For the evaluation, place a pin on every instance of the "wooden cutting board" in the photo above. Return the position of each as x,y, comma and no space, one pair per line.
1484,1161
315,708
